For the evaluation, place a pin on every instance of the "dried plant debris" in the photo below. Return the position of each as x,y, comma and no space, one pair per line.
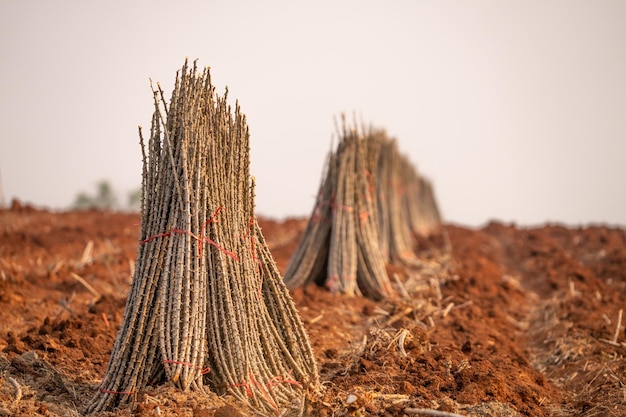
370,207
207,304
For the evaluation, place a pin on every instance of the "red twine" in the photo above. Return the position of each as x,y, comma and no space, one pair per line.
279,379
201,239
333,280
250,224
264,388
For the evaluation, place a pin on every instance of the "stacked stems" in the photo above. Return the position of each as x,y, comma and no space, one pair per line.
339,247
394,230
370,206
207,303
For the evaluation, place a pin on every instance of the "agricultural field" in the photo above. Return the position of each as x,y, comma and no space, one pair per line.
499,320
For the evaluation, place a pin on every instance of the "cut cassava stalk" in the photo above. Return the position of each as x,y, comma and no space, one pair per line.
370,205
207,303
339,247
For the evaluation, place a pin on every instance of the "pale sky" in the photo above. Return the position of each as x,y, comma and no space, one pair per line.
516,110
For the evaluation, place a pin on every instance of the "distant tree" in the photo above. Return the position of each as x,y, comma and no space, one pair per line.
104,198
134,200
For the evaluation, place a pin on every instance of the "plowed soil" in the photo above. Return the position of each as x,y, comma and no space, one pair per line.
506,321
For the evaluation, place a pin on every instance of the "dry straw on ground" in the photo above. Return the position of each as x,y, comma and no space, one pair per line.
207,303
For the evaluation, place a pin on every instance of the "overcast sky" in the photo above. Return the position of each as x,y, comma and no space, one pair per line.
516,110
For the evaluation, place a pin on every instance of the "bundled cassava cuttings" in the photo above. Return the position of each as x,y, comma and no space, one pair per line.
406,203
207,305
421,206
340,244
370,206
393,225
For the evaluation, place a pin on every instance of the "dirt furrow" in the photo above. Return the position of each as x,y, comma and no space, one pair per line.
525,323
574,283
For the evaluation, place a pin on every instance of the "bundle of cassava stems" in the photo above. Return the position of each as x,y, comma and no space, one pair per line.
207,307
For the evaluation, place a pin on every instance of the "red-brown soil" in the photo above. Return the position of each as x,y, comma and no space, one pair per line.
512,321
